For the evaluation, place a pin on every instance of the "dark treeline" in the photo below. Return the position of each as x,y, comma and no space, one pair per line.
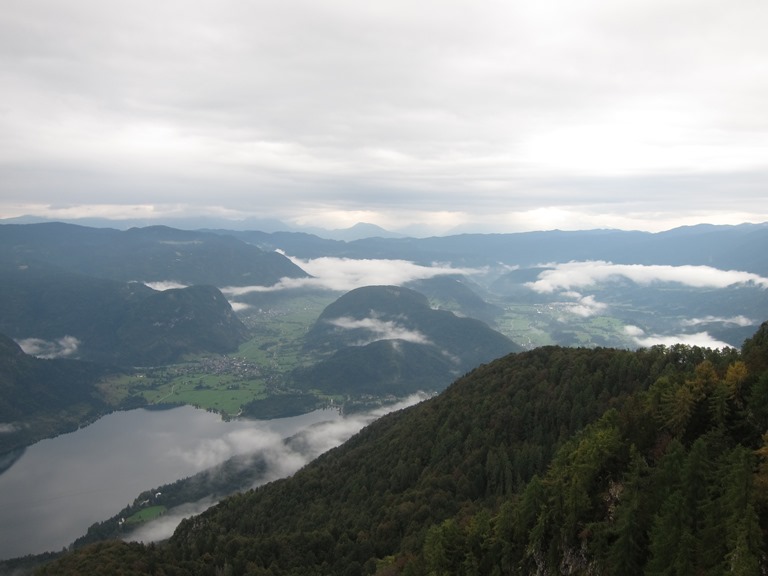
557,460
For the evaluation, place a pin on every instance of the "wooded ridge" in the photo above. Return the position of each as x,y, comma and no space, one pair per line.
552,461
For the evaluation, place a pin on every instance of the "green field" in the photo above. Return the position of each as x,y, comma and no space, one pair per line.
535,325
258,370
146,514
224,383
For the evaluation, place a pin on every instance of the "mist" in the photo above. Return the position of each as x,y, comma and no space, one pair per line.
345,274
283,457
573,275
63,347
163,285
702,339
380,330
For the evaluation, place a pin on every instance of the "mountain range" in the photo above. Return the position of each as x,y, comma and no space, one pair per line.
588,459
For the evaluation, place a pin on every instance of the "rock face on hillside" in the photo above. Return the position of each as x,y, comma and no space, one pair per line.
387,339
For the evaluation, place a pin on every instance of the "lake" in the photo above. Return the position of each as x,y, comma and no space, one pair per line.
60,486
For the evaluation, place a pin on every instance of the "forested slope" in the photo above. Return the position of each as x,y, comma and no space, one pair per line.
113,322
43,397
557,460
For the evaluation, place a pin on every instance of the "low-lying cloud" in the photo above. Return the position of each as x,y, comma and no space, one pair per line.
734,320
380,329
575,275
283,457
163,285
345,274
239,306
63,347
644,340
584,306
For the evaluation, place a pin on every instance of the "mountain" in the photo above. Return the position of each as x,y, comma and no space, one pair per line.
153,254
59,313
31,407
388,340
459,295
357,232
183,223
556,460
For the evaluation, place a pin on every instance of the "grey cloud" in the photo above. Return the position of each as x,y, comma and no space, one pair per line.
484,111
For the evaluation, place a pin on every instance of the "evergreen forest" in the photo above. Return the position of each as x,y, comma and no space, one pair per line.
550,461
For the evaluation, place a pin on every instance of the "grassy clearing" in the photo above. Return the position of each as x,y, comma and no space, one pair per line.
534,325
224,383
146,514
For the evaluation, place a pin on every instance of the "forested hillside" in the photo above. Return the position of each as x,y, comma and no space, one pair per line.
109,321
31,409
553,461
388,340
151,254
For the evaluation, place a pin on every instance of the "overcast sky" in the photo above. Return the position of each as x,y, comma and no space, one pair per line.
458,115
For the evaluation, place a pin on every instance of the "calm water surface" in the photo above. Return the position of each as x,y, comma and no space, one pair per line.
60,486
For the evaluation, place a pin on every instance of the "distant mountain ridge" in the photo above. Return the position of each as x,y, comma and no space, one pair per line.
152,254
727,247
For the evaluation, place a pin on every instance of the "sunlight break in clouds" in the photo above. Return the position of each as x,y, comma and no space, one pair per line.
381,329
581,274
48,349
345,274
644,340
283,458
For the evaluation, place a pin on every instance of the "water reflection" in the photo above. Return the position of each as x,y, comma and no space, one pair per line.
54,490
57,488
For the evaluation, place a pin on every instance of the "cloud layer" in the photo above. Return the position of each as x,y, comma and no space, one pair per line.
344,274
644,340
573,275
485,115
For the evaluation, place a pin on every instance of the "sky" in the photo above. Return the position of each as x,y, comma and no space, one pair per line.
420,117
